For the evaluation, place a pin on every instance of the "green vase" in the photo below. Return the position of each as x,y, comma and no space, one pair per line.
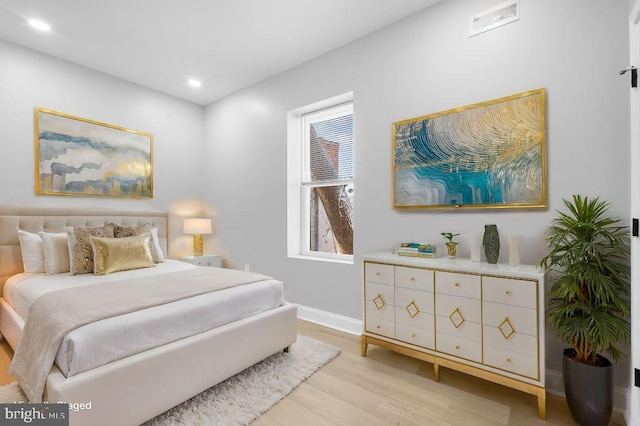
491,243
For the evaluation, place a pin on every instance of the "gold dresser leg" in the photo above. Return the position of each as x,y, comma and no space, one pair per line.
542,404
436,372
363,345
287,349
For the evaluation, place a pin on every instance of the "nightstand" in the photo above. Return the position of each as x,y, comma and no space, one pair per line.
204,260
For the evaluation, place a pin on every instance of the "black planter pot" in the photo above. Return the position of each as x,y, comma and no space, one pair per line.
589,390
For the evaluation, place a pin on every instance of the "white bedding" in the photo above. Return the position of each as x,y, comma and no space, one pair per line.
108,340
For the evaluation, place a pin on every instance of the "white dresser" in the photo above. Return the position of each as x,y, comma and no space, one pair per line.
484,320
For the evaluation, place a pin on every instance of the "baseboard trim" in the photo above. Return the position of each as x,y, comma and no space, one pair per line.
331,320
553,378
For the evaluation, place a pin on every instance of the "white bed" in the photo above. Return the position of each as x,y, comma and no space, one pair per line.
181,354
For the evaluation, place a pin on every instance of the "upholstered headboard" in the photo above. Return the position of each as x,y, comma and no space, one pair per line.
52,220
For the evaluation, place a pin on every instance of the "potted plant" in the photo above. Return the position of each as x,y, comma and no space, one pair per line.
588,260
451,245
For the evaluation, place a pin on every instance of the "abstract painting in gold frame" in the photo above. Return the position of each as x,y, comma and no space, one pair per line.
77,156
487,155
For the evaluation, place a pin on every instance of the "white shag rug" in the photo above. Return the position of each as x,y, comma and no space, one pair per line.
242,398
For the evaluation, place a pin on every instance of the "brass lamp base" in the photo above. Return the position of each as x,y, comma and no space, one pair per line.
197,245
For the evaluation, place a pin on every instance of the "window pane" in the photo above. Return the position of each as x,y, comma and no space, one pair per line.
331,149
331,219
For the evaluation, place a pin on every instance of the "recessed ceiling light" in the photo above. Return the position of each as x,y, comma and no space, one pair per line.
194,83
39,25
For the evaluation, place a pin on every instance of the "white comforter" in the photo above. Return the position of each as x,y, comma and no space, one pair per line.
108,340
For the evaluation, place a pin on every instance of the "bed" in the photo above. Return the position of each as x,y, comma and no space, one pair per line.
133,385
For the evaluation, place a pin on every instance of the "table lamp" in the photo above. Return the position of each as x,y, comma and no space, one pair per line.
197,227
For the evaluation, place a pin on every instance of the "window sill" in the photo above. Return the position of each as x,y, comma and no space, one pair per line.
346,260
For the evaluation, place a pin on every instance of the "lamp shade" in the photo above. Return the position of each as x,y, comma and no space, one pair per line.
197,226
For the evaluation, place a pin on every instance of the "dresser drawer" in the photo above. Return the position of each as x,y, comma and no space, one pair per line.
422,320
373,290
515,363
462,348
415,336
378,273
387,312
414,278
381,327
523,320
515,343
467,330
464,285
468,308
510,292
423,299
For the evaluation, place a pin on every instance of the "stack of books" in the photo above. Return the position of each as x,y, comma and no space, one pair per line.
416,250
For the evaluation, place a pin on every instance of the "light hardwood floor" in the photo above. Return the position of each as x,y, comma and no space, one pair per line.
386,388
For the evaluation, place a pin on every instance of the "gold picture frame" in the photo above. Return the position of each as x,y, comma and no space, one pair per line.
80,157
487,155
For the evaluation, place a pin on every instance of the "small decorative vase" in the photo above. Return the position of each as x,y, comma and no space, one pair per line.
476,248
514,249
451,249
491,243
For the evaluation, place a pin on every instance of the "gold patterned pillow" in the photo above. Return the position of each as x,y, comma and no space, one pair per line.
80,252
121,254
120,231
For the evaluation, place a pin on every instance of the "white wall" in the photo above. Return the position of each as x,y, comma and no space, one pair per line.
29,80
421,65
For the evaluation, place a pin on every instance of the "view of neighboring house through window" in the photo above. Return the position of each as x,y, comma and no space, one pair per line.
327,182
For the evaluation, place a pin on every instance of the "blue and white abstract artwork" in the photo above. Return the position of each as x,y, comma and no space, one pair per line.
76,156
490,154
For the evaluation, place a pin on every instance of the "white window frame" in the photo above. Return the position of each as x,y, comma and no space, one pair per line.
297,199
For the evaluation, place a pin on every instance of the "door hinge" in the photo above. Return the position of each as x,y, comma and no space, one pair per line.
634,75
636,381
634,227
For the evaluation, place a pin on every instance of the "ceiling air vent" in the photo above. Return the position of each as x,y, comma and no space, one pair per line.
489,19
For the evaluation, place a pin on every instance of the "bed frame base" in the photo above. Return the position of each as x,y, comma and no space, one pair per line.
137,388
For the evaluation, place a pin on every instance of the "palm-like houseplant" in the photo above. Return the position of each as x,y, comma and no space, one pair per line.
588,256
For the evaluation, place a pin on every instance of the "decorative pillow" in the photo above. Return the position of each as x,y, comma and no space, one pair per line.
56,252
80,252
120,231
156,244
32,253
121,254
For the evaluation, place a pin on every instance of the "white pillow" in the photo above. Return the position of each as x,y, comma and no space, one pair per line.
56,252
156,244
32,254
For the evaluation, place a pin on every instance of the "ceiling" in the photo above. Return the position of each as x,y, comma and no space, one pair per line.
227,44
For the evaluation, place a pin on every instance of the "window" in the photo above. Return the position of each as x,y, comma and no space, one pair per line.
321,190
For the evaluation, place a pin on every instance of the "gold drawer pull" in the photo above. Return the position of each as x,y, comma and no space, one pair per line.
378,326
412,309
412,278
413,335
508,292
377,274
457,347
506,328
456,285
456,318
378,301
508,359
